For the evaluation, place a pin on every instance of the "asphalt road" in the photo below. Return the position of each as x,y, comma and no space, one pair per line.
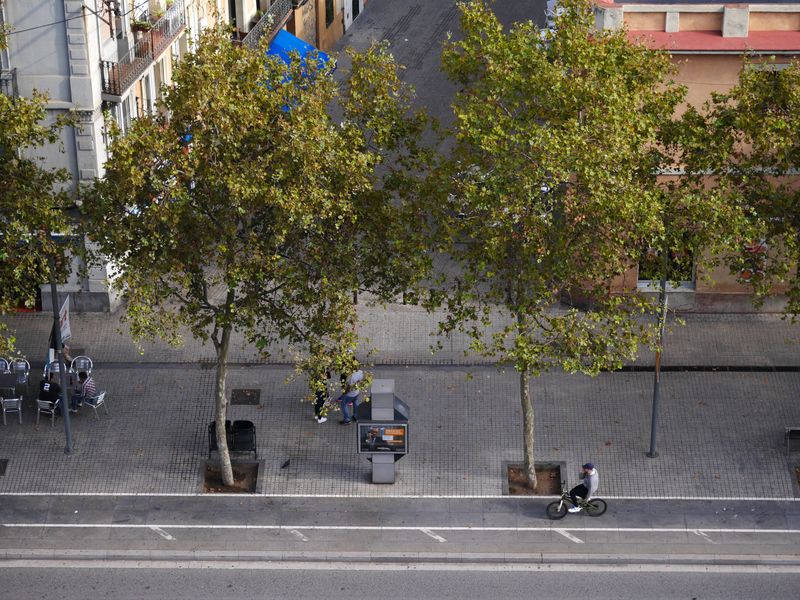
344,581
397,530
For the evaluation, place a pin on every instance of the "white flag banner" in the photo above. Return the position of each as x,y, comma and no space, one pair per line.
63,321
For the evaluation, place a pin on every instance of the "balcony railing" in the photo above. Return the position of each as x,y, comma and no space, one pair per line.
8,83
119,76
269,24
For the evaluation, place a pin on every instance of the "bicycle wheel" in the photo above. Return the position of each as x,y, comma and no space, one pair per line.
556,510
596,507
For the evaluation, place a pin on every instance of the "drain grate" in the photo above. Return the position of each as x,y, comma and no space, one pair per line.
3,465
246,396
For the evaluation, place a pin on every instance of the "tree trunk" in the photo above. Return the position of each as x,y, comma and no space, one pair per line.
527,426
221,407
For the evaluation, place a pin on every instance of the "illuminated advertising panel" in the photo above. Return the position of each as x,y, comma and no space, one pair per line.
388,438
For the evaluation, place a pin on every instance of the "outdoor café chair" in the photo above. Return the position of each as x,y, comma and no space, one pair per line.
96,402
45,407
5,365
51,367
11,405
81,363
21,368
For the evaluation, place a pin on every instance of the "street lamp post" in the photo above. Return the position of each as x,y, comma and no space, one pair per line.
662,300
60,357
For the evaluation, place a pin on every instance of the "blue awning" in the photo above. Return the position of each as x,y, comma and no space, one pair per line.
285,43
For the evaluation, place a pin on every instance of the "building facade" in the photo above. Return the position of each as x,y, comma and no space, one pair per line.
708,43
97,58
113,58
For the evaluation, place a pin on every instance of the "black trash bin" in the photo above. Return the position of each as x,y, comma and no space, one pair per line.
244,437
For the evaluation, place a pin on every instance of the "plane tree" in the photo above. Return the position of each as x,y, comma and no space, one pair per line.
550,191
33,203
751,154
246,206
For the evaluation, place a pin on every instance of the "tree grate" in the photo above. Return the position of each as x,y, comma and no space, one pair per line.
249,397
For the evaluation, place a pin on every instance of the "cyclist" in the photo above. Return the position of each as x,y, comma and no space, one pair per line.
587,489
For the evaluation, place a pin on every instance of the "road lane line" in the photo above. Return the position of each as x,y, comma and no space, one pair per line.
569,536
298,534
162,533
392,528
438,538
704,535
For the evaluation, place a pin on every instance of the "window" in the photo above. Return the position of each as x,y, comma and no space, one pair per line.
768,66
125,120
147,95
105,21
679,265
328,12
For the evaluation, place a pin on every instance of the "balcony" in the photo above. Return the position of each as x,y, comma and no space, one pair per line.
8,83
120,75
273,20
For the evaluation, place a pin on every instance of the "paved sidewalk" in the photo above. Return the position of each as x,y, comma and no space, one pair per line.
720,434
401,334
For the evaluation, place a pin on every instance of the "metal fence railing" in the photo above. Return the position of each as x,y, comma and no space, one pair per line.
269,24
119,75
8,83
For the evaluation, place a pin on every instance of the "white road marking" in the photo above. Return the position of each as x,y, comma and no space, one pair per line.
704,535
392,528
438,538
298,534
269,565
569,536
161,532
402,496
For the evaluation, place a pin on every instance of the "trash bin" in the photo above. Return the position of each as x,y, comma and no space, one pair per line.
793,442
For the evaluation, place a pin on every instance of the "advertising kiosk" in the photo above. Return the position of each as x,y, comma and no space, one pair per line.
382,431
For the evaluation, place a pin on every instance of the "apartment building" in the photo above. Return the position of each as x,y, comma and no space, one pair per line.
320,23
95,57
708,43
99,57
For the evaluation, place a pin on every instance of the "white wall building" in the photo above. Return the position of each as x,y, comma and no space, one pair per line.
96,56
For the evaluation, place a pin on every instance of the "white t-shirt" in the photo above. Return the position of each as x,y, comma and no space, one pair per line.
356,377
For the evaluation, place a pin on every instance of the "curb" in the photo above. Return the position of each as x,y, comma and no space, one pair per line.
410,560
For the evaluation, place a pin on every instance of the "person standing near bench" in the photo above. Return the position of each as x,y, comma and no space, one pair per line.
350,396
88,389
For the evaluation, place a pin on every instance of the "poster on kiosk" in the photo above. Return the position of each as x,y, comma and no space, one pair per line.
384,438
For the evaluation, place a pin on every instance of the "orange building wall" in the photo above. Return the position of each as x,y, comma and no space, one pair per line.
645,21
327,36
774,21
701,21
706,73
304,24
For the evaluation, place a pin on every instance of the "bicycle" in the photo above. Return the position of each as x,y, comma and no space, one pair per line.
558,509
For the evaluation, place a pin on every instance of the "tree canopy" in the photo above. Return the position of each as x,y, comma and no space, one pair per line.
249,207
32,204
551,188
752,151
